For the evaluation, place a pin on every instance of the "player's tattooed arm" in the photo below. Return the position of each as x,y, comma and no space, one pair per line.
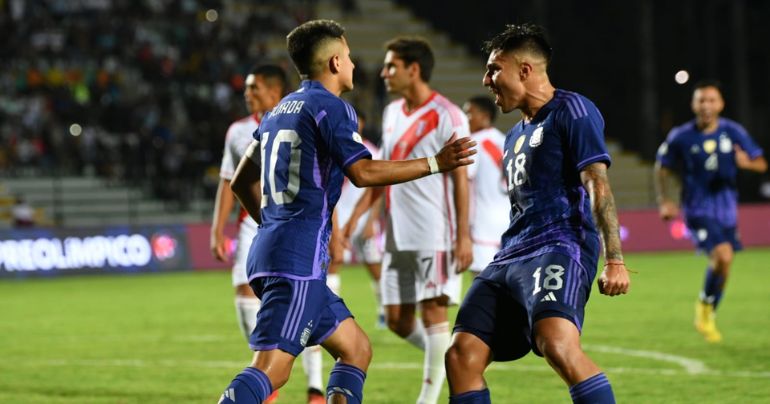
595,181
614,278
664,182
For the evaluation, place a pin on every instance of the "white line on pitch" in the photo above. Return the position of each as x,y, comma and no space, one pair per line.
384,366
691,366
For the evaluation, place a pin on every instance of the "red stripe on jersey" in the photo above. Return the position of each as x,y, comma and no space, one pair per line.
242,215
491,149
419,129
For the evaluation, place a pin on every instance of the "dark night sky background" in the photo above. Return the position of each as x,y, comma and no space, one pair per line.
599,50
623,55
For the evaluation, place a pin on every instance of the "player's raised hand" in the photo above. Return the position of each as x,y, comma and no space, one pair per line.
614,279
456,154
668,210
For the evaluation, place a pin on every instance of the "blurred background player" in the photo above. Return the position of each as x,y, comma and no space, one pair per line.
22,214
264,87
706,154
427,239
533,295
364,246
289,182
489,194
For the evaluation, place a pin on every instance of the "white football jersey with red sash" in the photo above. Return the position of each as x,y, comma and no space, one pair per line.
421,213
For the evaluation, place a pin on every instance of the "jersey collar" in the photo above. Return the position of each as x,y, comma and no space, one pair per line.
312,84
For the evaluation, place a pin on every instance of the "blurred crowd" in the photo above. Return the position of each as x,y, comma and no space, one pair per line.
131,90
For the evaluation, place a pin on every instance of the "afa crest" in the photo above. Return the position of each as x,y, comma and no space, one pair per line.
725,144
537,137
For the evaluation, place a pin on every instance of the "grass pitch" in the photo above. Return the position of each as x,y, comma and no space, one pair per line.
172,338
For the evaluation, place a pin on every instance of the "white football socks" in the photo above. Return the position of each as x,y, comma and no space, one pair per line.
246,309
417,337
436,344
312,364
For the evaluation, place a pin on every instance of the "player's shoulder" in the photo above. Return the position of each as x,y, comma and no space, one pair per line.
249,122
573,105
491,133
331,104
319,103
680,132
731,125
394,106
448,109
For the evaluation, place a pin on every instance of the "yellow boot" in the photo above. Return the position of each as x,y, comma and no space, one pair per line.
705,322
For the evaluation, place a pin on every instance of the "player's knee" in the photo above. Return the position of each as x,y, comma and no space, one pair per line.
454,358
359,353
461,356
279,379
721,258
557,350
723,261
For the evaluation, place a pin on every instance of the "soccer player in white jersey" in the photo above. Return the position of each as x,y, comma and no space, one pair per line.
488,188
427,237
264,87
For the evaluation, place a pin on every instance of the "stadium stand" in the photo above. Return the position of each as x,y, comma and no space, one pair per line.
122,106
126,95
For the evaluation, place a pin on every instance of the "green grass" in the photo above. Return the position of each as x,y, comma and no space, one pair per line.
173,338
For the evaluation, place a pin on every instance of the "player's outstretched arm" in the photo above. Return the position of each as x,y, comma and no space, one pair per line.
667,208
745,162
368,173
223,205
614,278
246,186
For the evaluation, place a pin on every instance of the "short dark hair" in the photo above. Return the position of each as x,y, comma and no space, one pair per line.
708,83
529,37
303,42
485,104
272,72
414,50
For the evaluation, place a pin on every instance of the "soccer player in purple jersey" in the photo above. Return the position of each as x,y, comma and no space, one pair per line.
289,181
533,295
706,153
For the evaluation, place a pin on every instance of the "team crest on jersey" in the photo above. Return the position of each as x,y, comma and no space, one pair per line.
709,146
358,138
519,143
695,149
537,137
725,144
